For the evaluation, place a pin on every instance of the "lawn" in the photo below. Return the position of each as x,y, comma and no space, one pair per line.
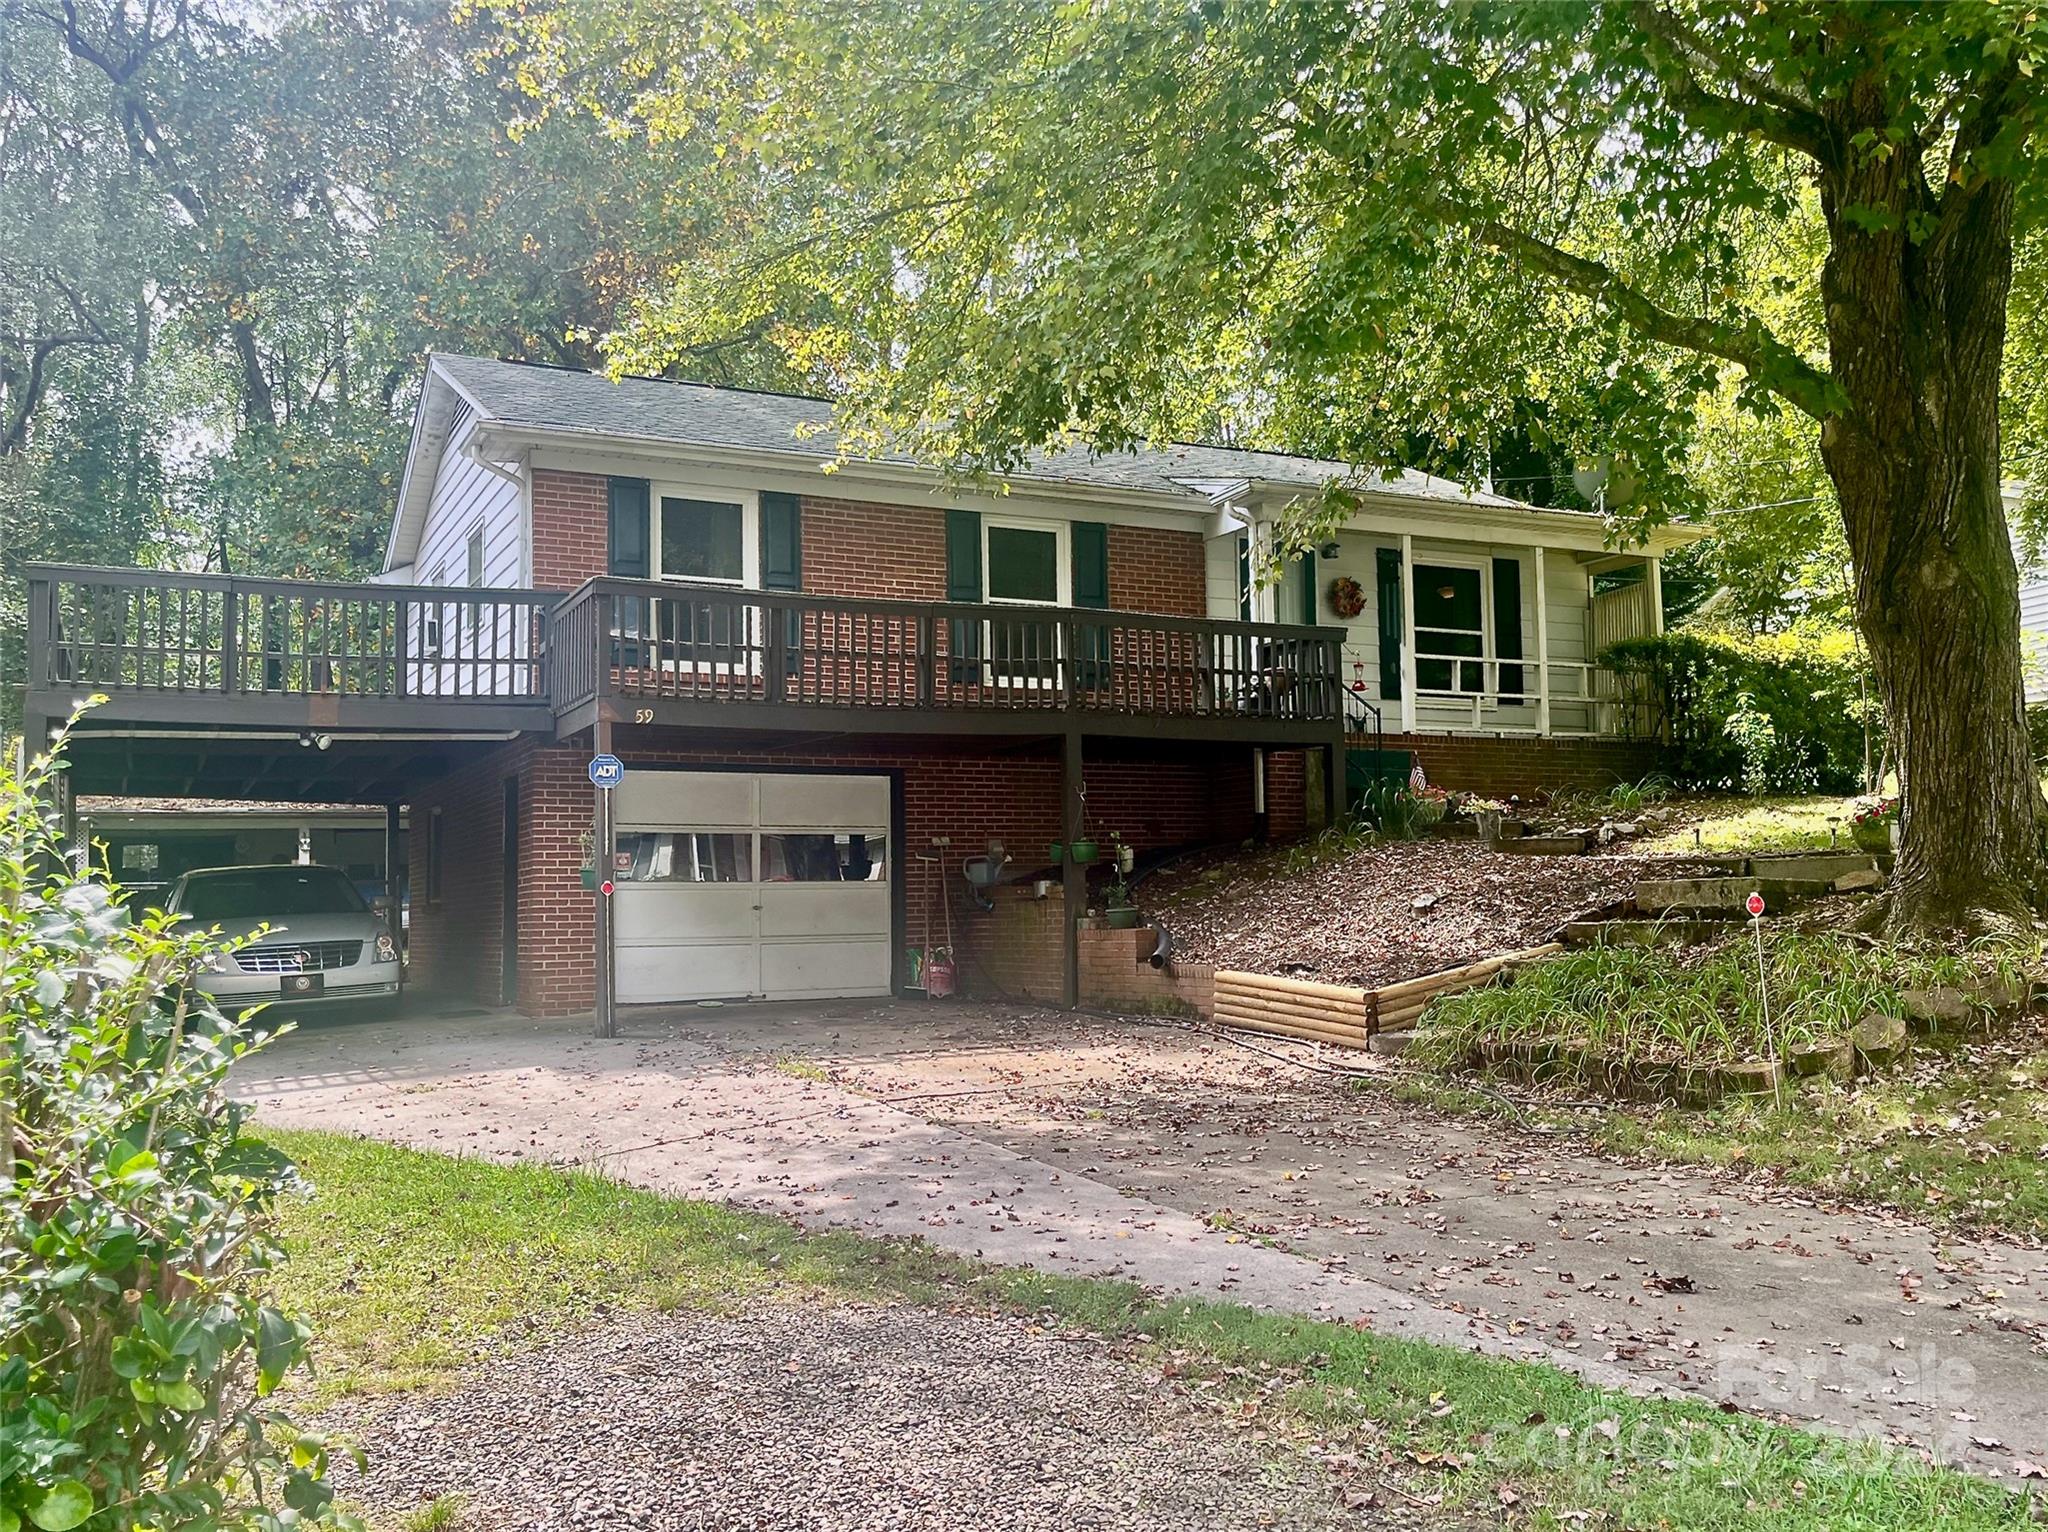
409,1265
1731,826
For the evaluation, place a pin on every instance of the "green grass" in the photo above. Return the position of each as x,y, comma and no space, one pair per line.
1727,826
408,1265
1631,1004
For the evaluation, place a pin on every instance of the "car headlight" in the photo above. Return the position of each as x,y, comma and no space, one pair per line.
387,949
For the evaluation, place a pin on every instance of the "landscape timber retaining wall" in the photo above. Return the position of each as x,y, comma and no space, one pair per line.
1347,1016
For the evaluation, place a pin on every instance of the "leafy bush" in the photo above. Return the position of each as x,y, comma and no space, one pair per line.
1783,713
135,1225
1633,1003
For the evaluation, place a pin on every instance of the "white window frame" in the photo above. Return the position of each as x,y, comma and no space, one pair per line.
749,502
1488,671
1063,558
1063,595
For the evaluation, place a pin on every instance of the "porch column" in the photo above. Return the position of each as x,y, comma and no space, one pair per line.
393,914
1073,876
1407,633
1656,572
1542,648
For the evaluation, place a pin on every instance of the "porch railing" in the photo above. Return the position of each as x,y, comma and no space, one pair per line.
127,630
666,640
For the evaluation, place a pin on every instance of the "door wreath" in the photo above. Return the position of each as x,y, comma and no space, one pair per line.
1347,597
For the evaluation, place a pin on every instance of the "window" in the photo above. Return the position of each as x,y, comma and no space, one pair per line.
702,540
268,893
430,622
475,557
1023,563
1450,623
683,856
824,857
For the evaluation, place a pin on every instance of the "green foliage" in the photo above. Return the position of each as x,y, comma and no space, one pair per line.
136,1224
1781,716
1635,1003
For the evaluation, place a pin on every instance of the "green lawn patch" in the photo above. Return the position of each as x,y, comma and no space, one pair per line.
1731,826
408,1265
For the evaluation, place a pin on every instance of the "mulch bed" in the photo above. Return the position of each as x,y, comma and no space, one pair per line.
1352,918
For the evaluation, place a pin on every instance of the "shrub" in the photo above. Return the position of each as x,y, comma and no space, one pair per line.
1633,1003
1779,714
135,1224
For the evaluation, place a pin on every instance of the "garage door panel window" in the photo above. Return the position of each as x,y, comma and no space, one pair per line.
684,856
824,857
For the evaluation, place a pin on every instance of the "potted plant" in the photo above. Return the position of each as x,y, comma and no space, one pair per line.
1429,805
1125,857
1121,914
1084,850
1057,853
1871,825
1486,814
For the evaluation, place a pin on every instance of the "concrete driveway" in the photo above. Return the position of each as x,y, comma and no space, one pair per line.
1167,1156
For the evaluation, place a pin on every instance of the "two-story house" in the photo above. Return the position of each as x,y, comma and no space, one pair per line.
831,683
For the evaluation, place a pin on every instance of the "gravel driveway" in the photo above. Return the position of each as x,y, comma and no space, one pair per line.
845,1419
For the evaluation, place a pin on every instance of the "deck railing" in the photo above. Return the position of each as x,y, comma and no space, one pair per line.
129,630
659,640
132,631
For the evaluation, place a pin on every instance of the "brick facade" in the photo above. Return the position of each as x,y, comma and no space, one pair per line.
570,528
1527,767
967,796
864,548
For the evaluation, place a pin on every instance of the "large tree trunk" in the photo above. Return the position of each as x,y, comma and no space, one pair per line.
1916,332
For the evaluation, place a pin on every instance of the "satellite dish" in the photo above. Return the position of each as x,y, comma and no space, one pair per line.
1606,481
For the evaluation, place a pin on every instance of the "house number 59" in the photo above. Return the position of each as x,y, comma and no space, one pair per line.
643,715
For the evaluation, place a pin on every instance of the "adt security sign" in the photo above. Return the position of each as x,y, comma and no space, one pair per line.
607,770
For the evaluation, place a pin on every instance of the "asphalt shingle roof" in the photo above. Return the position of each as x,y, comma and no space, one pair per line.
518,395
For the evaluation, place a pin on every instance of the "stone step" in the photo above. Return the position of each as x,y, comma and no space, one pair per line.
1724,896
1824,865
1541,845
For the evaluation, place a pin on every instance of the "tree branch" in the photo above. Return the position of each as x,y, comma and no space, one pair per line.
1750,346
1759,107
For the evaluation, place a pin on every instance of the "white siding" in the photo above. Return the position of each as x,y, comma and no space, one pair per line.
468,498
1219,577
2034,632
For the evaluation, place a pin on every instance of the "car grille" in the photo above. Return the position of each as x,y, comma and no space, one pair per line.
298,957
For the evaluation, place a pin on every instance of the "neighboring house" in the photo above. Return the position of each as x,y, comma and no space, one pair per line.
2033,603
832,682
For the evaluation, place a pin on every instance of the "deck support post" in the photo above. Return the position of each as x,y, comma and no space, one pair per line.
606,1006
1335,758
1073,876
394,918
1542,648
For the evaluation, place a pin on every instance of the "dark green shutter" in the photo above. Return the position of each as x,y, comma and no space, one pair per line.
782,553
1308,590
627,551
1390,596
1091,589
782,565
1507,627
963,583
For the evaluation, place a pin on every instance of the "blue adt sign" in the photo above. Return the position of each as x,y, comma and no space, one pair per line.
607,770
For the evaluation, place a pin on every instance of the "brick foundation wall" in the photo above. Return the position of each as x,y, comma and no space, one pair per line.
1508,767
1027,950
571,542
1286,793
967,798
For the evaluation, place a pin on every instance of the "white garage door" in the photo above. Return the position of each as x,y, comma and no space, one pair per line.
733,884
